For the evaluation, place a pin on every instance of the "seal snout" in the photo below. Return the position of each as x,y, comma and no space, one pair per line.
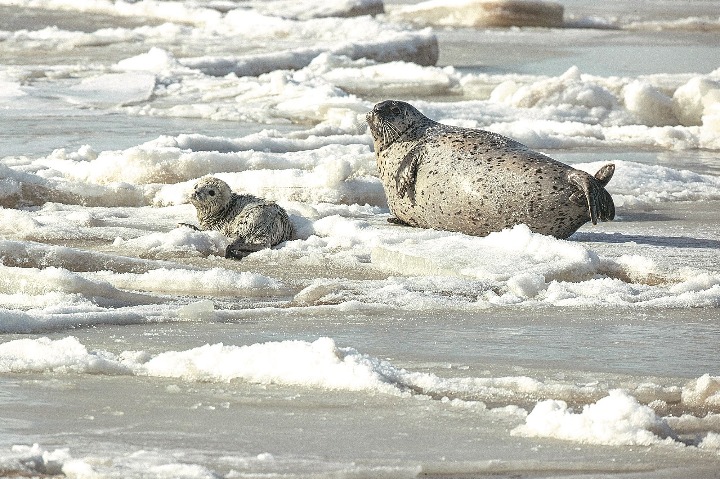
376,113
374,119
381,109
370,115
194,195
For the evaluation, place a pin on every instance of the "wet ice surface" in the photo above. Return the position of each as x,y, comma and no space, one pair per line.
131,348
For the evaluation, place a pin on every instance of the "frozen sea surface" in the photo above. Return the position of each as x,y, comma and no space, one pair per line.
130,348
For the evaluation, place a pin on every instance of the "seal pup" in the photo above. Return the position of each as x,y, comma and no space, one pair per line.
255,223
475,181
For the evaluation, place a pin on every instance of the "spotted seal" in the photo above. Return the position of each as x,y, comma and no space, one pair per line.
253,222
476,182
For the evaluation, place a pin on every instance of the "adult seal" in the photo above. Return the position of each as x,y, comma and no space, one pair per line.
254,223
476,182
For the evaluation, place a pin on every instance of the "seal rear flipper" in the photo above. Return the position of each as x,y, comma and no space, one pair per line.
604,174
600,203
239,249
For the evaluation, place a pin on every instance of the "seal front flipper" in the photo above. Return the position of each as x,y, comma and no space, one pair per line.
407,172
397,221
599,202
188,225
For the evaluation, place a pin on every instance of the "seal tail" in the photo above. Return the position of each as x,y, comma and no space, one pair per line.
600,203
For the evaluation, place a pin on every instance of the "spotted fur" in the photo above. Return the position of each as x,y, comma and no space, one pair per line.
476,182
253,222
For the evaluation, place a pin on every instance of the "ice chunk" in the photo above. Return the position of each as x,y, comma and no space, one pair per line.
413,47
694,99
200,311
515,252
705,391
617,419
62,355
214,281
483,13
319,363
651,106
710,441
48,280
10,89
178,242
305,9
28,254
113,89
156,60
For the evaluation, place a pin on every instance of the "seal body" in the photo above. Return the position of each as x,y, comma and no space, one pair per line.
476,182
253,222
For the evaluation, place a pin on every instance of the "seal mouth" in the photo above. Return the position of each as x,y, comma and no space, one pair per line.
385,132
373,121
197,197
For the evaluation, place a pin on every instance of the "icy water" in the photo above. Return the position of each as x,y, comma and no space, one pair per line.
130,348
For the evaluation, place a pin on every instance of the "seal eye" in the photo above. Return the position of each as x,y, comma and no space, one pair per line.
211,192
395,110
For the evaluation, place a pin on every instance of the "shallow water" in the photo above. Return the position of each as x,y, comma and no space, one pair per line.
131,348
595,52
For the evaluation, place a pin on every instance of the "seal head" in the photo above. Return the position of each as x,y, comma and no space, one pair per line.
211,197
391,119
